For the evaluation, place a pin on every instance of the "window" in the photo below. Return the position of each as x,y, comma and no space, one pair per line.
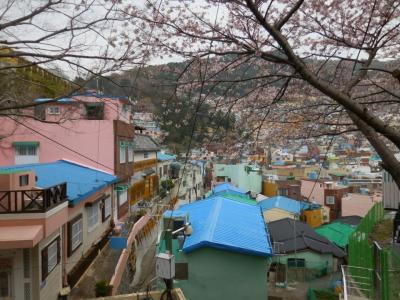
122,152
50,257
130,152
283,192
5,284
160,172
75,234
94,111
106,210
93,216
53,110
122,197
23,180
296,262
26,152
330,200
146,155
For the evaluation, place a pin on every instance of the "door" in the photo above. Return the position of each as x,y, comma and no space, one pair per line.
5,285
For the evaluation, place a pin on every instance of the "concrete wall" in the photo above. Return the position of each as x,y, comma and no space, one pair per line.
139,155
247,181
391,192
358,204
314,191
89,238
91,138
218,274
312,259
49,288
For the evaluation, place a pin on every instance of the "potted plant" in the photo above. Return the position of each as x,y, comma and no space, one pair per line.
103,288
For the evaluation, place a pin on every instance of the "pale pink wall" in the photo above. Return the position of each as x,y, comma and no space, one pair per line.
91,138
313,190
358,204
76,110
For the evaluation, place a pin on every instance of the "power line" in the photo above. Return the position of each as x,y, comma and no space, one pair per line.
60,144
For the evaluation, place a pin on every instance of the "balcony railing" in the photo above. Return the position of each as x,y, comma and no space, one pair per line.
32,201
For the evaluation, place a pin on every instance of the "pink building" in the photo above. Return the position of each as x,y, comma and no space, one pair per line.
326,193
92,129
53,216
358,204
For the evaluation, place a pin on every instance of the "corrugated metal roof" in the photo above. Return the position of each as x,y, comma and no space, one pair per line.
227,187
144,143
284,203
226,224
296,235
337,232
165,157
241,198
81,181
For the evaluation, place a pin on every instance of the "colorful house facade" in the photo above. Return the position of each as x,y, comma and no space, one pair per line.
52,217
228,254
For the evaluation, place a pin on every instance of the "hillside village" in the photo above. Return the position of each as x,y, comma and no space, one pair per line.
144,182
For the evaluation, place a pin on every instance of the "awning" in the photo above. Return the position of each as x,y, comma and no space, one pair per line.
148,172
14,237
121,188
25,143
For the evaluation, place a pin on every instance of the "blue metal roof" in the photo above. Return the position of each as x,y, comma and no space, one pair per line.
284,203
165,157
226,224
81,181
225,187
61,100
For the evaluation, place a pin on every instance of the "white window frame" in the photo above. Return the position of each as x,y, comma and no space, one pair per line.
26,154
122,152
52,257
122,197
53,110
130,152
331,200
77,234
107,207
93,216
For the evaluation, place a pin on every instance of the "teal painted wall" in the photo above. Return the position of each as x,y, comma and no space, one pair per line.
218,275
313,259
247,181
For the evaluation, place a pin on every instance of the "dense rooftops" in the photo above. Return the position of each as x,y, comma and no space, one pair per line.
81,181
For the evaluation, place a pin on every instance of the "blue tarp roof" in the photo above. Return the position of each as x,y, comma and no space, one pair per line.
164,157
224,187
226,224
285,203
81,181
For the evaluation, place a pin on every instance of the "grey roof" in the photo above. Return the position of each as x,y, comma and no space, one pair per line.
350,220
144,143
296,235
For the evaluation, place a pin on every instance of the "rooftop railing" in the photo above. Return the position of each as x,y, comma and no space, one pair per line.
33,200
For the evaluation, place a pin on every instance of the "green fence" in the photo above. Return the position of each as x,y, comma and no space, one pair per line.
361,251
363,260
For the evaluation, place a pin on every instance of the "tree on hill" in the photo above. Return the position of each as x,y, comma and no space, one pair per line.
328,58
84,39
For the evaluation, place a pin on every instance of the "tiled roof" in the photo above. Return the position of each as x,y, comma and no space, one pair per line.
225,224
144,143
297,236
81,181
